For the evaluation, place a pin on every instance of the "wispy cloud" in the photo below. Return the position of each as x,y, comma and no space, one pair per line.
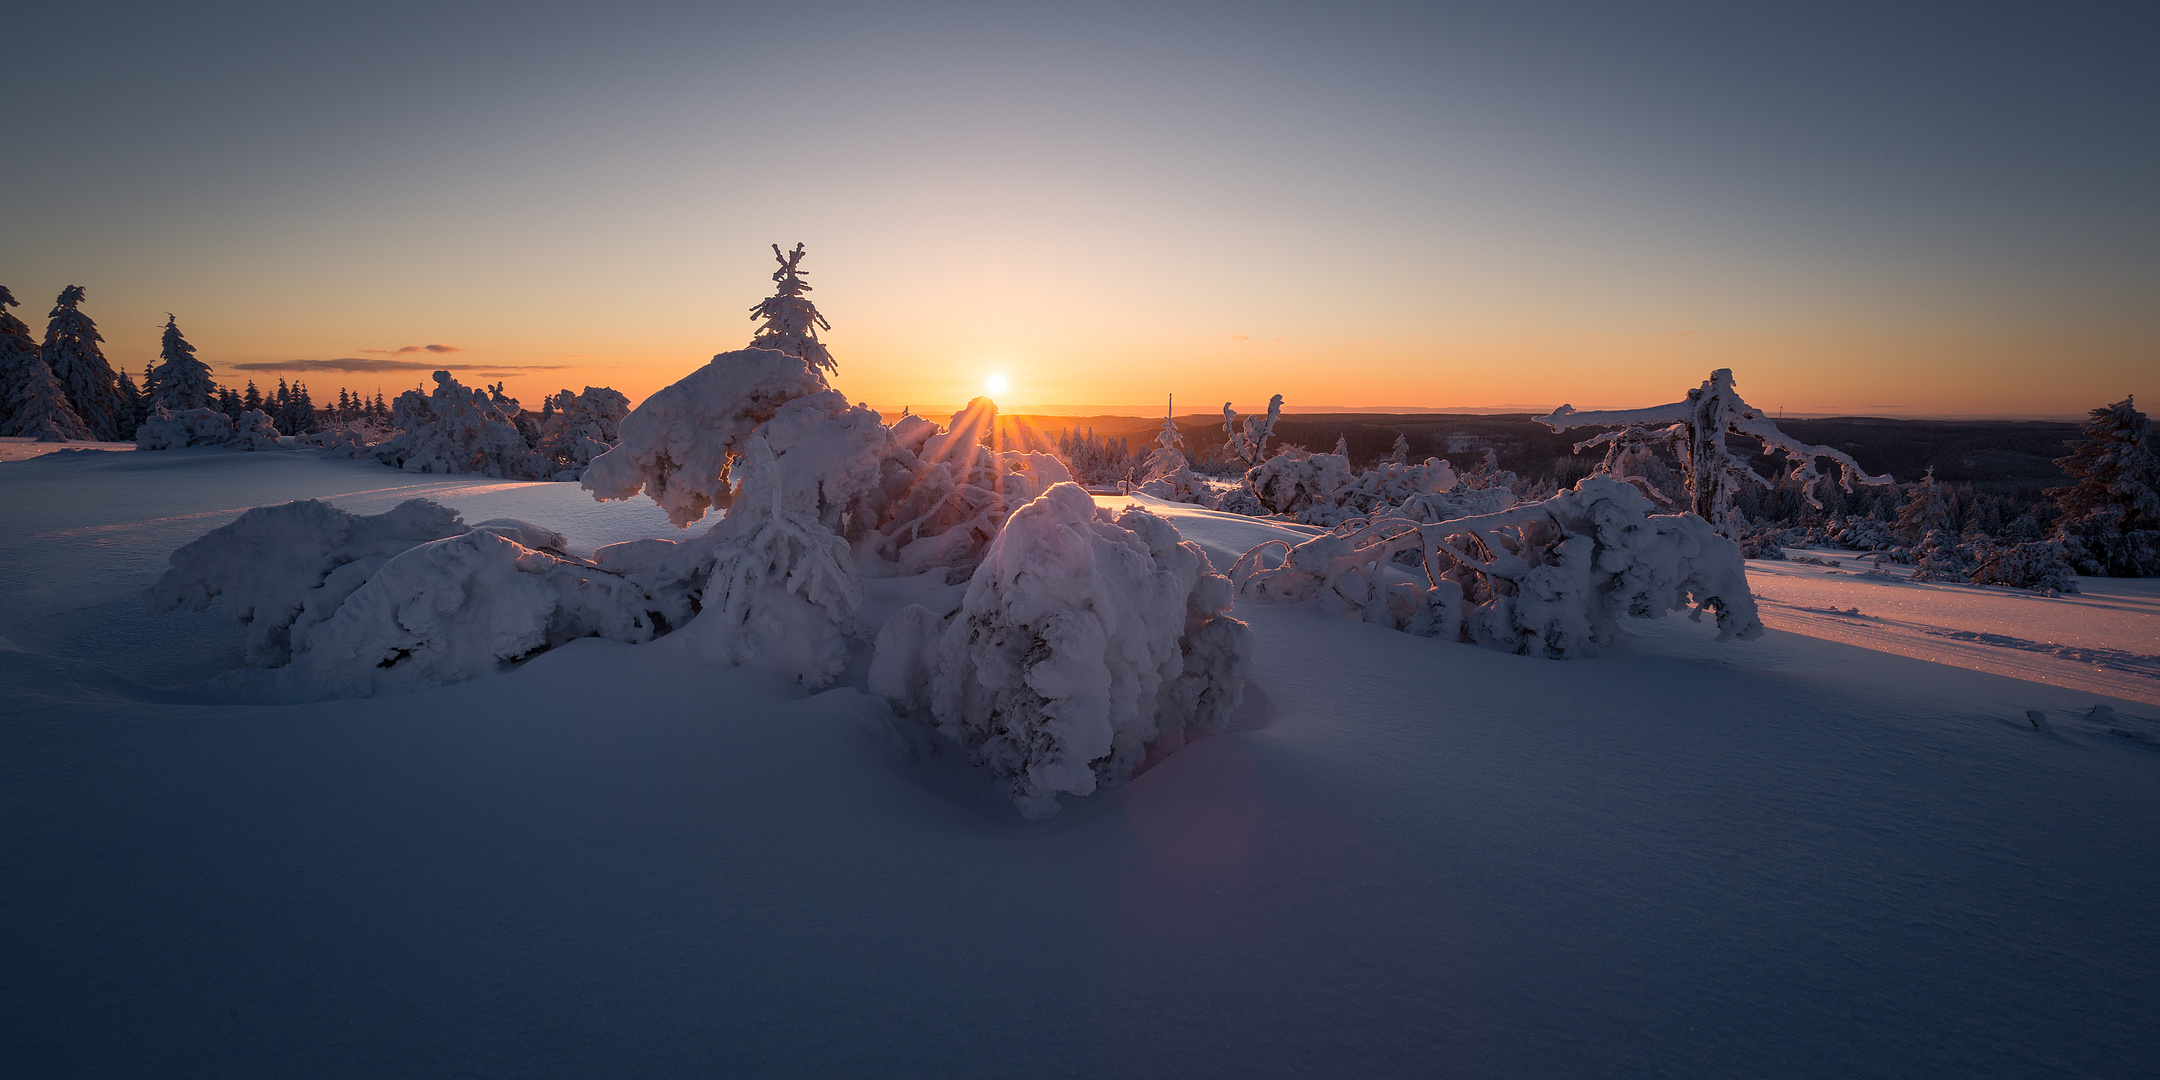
403,349
361,364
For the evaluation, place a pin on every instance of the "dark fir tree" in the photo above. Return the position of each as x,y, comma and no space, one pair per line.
251,398
791,321
17,351
2110,523
180,381
72,351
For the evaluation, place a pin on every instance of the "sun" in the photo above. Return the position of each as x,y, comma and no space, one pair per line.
996,384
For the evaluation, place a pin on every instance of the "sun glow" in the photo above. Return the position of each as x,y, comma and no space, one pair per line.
996,384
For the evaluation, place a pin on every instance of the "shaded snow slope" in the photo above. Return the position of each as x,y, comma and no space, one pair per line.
1791,857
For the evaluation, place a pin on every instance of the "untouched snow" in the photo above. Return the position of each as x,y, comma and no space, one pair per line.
1789,857
19,448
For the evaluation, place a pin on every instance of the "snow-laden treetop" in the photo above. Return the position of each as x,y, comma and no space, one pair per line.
791,320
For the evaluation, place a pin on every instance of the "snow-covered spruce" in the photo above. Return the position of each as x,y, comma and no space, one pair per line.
2038,565
180,381
1166,474
790,322
456,429
1085,642
1550,578
72,351
2110,524
37,403
166,429
412,597
1696,429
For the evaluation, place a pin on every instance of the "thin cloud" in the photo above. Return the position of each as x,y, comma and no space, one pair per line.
360,364
403,349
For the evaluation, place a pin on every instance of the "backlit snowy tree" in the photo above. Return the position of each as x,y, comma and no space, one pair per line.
1166,474
1696,428
2110,525
1248,443
72,350
180,381
791,321
456,429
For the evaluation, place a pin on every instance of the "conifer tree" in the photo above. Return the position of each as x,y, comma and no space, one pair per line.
1926,510
71,351
251,398
133,406
791,320
2110,522
17,351
229,402
1342,447
1401,454
41,408
180,381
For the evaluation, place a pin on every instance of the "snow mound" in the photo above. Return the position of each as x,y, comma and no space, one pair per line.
681,444
276,563
1550,578
169,429
1083,642
462,606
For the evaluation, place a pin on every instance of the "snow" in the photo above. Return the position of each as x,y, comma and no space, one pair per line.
1794,856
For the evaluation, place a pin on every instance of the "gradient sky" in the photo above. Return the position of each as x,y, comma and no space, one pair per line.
1899,210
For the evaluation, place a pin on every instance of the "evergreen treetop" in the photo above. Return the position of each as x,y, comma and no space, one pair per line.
72,350
180,381
791,321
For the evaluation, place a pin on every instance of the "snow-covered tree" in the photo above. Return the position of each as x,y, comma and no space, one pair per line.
790,320
180,381
1095,459
2110,523
576,428
1401,454
251,398
72,350
1926,511
1696,428
1248,443
41,408
455,430
1549,578
1084,640
1166,474
18,350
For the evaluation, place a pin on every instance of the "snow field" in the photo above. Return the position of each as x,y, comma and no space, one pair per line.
1787,857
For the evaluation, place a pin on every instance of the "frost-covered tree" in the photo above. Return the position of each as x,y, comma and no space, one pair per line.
72,350
1401,454
168,429
576,428
1085,640
18,350
180,381
41,408
2110,523
790,320
1696,428
1550,578
1926,510
1248,443
455,429
1166,474
251,398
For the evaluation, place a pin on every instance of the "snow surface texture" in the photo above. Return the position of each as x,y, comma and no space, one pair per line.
1085,641
1550,578
1807,857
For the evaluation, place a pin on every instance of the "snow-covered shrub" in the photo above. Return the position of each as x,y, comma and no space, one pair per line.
352,438
944,494
169,430
254,431
1863,534
1248,443
1295,480
573,429
1084,641
1696,429
1550,578
456,429
681,444
453,608
1940,557
2039,565
270,563
412,597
